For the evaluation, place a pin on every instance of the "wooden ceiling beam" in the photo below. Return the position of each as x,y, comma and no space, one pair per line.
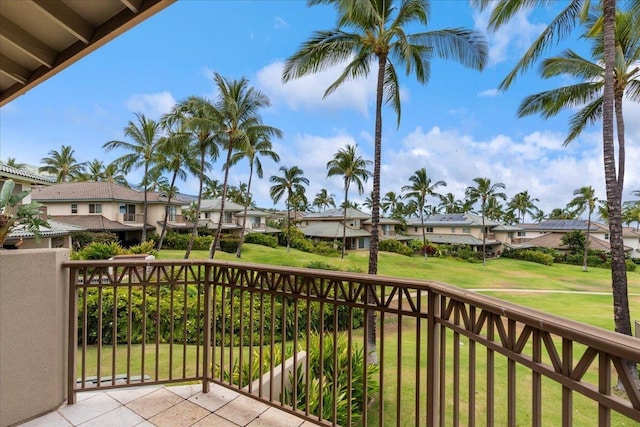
66,18
24,41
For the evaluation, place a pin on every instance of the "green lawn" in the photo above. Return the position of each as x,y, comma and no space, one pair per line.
499,273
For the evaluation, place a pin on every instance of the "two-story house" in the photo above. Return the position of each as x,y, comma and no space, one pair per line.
233,217
106,206
463,229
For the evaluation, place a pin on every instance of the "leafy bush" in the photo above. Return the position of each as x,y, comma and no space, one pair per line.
532,255
180,241
302,244
391,245
81,239
319,265
143,248
229,243
261,239
325,248
99,250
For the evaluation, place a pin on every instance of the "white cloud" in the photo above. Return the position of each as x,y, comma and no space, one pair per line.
280,23
152,105
515,36
489,93
306,93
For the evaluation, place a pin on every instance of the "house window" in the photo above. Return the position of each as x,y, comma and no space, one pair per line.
510,234
207,215
74,208
228,218
522,233
429,229
606,236
453,230
95,208
171,213
466,230
415,229
355,223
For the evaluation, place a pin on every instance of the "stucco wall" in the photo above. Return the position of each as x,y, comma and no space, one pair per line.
33,330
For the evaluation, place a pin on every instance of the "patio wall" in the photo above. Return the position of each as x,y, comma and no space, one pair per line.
33,331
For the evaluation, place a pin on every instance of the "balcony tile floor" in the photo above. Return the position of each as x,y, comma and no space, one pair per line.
178,406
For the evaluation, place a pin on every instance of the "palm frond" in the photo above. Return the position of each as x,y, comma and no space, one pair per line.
569,62
469,47
589,115
551,102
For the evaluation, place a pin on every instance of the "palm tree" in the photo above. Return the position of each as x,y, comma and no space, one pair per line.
483,191
112,173
62,164
420,188
560,213
450,204
494,209
178,156
145,135
324,199
523,204
585,199
378,35
560,26
212,188
353,169
290,183
392,201
94,171
13,163
197,118
539,216
259,145
238,106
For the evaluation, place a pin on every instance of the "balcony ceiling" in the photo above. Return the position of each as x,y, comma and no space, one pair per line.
38,38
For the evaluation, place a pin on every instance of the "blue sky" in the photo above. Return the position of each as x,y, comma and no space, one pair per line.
457,126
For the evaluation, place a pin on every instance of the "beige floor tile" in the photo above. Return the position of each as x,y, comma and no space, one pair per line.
242,410
153,403
127,395
186,391
88,409
214,420
183,414
216,398
119,417
52,419
273,417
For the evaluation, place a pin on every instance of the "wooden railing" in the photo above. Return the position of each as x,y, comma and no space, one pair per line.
445,356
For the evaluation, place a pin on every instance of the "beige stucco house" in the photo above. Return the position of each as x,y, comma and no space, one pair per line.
106,206
233,217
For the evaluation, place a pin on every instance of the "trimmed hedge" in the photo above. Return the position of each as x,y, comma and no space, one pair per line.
390,245
530,255
261,239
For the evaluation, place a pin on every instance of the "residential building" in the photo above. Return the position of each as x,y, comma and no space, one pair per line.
232,219
107,206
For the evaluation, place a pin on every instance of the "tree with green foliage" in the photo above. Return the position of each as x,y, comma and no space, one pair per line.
523,204
585,199
291,181
258,145
421,186
324,200
13,163
483,191
62,164
353,169
576,241
13,213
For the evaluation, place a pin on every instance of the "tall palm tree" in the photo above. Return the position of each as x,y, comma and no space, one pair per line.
450,204
585,199
373,31
212,188
238,106
494,209
560,26
290,182
392,202
420,188
483,191
94,171
259,145
112,173
145,135
13,163
62,164
353,169
178,156
324,199
196,116
523,203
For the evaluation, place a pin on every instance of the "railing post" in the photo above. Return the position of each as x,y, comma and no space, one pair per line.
637,328
433,361
207,329
72,338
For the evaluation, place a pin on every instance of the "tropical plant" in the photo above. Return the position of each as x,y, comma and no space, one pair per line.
197,119
353,169
238,106
258,145
483,191
145,135
585,199
523,204
13,163
560,26
14,214
62,164
324,199
290,182
494,210
112,173
420,188
450,204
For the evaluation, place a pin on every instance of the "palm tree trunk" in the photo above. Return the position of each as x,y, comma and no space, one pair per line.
166,211
586,244
216,241
246,207
620,128
194,230
484,238
144,207
424,235
344,220
621,315
289,223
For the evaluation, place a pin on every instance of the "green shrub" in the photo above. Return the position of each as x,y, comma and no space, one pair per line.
302,244
391,245
229,243
99,250
80,239
180,241
143,248
532,255
320,265
261,239
325,249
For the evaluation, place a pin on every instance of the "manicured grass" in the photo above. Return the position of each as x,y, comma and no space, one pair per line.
499,273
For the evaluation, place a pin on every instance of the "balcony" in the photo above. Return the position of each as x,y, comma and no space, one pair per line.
295,340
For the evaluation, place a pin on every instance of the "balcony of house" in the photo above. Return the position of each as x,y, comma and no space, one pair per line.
258,226
130,218
309,344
